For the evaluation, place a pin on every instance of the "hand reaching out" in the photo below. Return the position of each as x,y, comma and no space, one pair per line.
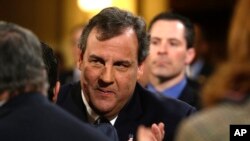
155,133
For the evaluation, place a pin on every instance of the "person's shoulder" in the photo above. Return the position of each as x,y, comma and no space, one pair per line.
56,116
190,93
68,89
222,112
208,119
75,127
176,106
49,118
166,104
193,84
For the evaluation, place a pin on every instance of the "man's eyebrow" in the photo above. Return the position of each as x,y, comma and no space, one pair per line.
125,62
174,39
155,38
95,56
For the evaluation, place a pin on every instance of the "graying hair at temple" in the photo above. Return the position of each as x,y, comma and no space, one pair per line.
21,64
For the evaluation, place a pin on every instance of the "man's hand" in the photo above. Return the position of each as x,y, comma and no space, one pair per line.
155,133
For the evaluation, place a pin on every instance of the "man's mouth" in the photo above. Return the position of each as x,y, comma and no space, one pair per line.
105,91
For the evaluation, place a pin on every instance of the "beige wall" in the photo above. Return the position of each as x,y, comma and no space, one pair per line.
71,16
52,20
150,8
40,16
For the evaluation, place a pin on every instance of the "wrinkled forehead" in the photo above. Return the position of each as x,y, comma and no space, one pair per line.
125,42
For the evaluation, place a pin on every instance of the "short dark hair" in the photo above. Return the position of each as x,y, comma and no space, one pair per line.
112,22
189,27
51,65
21,63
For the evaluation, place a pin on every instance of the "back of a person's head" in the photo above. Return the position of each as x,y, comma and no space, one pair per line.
51,65
232,79
230,82
239,36
21,65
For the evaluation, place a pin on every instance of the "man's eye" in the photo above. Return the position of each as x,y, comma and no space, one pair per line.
96,62
154,42
121,66
174,43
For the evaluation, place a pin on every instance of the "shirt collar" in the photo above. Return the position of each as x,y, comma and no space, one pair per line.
174,91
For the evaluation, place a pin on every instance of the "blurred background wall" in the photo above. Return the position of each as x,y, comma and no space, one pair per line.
52,20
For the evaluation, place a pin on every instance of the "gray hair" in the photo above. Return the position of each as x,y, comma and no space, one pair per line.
21,64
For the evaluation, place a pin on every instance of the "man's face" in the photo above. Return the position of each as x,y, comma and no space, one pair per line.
168,54
110,71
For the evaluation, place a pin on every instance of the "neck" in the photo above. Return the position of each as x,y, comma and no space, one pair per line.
162,83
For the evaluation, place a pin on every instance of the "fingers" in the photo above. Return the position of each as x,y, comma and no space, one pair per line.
145,134
155,133
161,126
158,131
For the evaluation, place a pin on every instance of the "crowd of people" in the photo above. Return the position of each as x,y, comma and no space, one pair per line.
132,82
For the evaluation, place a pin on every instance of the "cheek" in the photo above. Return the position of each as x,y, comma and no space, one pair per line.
179,57
151,58
89,74
152,52
127,81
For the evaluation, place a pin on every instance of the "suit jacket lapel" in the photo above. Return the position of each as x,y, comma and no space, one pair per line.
129,117
189,95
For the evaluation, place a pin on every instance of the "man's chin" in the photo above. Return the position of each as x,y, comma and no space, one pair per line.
163,78
101,109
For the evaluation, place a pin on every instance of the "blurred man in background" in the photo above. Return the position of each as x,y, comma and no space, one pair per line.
171,51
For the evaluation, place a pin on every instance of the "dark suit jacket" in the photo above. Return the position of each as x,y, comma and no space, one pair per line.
143,108
31,117
190,94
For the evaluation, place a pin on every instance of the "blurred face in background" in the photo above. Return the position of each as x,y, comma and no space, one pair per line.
75,37
168,54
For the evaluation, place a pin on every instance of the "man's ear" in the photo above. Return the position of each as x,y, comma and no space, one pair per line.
80,60
190,55
140,71
79,57
143,74
56,91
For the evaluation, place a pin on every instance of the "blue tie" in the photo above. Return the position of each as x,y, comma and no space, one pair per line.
103,125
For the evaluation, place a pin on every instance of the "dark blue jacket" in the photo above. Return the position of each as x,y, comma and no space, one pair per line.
144,108
31,117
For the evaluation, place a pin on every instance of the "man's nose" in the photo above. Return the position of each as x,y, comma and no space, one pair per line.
107,75
163,49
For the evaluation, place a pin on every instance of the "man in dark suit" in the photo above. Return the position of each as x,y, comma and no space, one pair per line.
171,51
25,112
114,44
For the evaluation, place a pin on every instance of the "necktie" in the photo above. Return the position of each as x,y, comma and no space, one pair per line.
103,125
